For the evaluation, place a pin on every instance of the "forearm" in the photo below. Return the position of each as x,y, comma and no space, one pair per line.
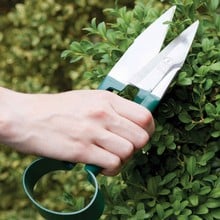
12,117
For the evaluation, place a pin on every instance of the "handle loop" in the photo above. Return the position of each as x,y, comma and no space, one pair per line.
42,167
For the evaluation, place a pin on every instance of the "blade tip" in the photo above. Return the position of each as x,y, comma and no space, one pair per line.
195,25
172,9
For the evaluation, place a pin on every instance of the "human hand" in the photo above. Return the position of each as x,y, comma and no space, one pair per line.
88,126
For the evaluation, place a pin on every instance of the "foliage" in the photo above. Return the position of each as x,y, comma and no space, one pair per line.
177,175
32,38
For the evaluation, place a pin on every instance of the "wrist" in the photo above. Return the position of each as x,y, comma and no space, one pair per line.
9,115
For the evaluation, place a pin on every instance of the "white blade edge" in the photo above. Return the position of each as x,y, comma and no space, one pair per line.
144,48
158,74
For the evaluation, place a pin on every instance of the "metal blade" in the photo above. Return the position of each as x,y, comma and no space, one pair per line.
159,72
143,49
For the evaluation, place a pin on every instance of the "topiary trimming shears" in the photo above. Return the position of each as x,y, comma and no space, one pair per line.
146,68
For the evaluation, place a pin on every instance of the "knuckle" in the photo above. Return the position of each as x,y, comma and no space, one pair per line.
128,151
146,119
116,123
110,172
142,139
114,164
100,113
147,122
105,95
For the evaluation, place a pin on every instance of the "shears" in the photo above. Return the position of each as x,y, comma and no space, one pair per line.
148,68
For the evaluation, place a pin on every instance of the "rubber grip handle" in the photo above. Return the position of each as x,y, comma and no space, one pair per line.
147,100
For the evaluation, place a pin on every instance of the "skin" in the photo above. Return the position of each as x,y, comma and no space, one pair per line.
88,126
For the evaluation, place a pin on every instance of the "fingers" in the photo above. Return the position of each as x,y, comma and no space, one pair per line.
116,145
128,130
134,112
130,127
110,162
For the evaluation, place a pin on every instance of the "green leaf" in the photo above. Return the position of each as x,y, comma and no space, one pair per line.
65,53
208,120
195,217
210,109
182,217
160,211
212,203
164,192
208,84
121,210
206,44
152,185
168,213
161,149
76,47
202,209
215,193
205,158
215,66
169,177
194,200
185,181
208,216
215,134
184,117
176,207
169,139
184,204
102,29
183,79
214,4
76,59
205,190
191,165
151,203
196,186
216,213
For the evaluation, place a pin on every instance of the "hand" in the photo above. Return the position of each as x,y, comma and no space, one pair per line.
88,126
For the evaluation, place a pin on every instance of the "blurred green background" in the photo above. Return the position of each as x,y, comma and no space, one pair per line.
177,174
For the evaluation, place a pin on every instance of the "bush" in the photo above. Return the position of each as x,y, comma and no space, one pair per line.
32,38
177,174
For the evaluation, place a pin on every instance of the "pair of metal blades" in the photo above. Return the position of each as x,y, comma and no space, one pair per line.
144,66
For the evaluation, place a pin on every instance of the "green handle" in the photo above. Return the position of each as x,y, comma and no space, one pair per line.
143,97
147,100
43,166
111,84
93,168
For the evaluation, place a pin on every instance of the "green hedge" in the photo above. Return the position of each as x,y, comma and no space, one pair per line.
177,175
